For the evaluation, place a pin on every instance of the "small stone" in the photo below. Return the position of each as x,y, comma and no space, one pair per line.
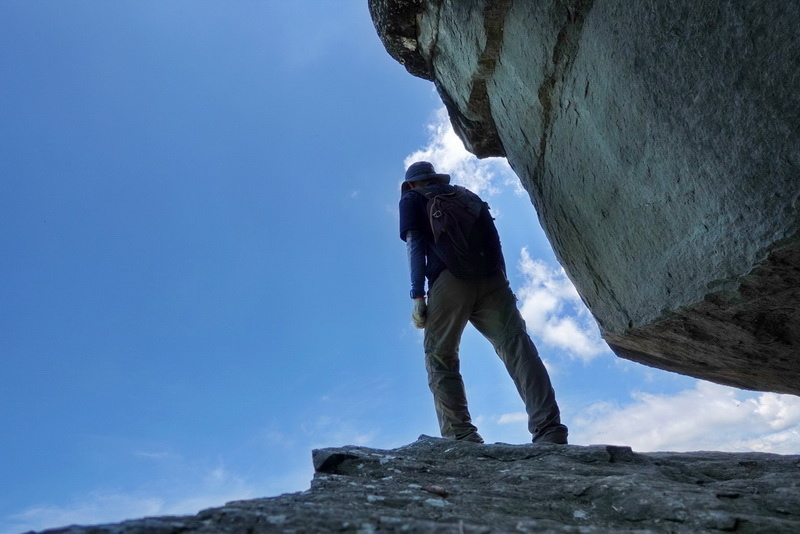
436,490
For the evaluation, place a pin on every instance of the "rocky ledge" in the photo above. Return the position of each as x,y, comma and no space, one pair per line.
435,485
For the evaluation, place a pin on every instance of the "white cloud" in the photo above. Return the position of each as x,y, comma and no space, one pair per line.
554,312
708,417
447,154
516,417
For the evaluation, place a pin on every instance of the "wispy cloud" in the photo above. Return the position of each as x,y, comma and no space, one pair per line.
554,312
93,509
212,486
328,431
708,417
448,155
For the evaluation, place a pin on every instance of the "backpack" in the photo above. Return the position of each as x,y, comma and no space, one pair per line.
458,224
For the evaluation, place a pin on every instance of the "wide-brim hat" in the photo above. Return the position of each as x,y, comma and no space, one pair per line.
419,171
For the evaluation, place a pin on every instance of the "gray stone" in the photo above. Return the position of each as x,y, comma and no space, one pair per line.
659,144
436,485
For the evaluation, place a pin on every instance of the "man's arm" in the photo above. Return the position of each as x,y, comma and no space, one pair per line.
415,246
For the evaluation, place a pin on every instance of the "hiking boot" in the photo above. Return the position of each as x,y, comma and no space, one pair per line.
557,437
472,436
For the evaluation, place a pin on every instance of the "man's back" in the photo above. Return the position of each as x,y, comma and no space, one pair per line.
460,230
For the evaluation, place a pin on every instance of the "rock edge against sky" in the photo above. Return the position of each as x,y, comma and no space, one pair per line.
437,485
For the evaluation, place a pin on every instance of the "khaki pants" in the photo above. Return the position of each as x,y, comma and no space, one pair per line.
490,305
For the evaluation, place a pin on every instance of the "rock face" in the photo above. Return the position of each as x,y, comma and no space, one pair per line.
659,144
440,486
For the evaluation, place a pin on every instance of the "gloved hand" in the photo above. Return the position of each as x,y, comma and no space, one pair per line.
419,313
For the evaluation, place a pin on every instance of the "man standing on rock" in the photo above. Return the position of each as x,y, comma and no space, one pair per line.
467,282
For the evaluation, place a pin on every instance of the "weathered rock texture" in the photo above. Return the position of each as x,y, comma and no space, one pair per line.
659,144
440,486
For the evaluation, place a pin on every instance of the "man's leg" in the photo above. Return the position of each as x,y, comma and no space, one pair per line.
499,320
449,304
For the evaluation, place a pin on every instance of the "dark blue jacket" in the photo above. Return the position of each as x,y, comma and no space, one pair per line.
423,261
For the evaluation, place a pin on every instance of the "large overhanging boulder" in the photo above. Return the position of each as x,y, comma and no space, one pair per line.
659,144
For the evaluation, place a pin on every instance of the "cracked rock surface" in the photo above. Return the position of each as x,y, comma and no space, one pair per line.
659,144
437,485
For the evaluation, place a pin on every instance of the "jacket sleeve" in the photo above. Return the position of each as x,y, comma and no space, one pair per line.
415,246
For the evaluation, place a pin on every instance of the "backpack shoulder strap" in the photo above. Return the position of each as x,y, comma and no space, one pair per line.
430,191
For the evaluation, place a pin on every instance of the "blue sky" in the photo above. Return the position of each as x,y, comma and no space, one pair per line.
202,278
